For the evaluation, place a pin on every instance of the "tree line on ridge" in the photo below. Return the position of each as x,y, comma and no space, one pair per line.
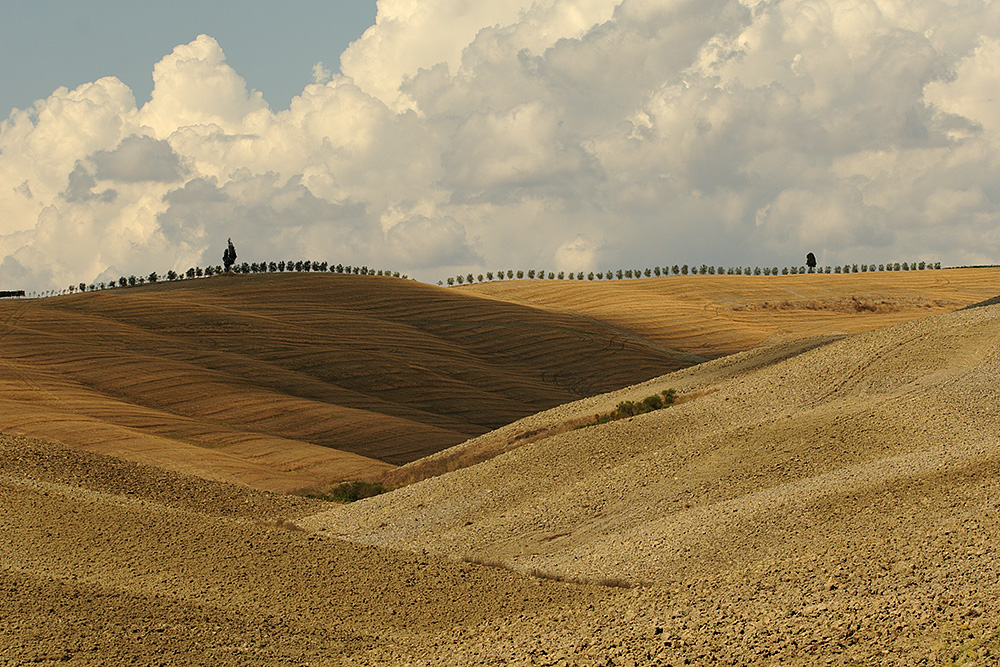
684,270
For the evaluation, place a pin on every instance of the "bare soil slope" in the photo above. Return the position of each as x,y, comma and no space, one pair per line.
828,501
110,563
810,498
287,381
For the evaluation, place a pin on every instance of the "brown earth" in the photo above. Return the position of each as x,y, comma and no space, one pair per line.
105,562
831,500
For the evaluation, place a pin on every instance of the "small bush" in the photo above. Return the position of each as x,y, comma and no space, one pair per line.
348,492
630,409
650,403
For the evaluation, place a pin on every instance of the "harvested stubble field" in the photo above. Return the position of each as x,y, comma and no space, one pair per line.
824,500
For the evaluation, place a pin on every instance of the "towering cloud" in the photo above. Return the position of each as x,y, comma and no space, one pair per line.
564,134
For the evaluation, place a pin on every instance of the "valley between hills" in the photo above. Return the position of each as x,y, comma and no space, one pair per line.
823,492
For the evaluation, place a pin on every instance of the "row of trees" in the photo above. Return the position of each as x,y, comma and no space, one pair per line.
244,268
684,270
620,274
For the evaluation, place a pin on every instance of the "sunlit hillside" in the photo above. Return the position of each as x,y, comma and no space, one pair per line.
826,500
830,501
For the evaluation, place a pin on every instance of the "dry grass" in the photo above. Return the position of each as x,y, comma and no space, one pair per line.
963,646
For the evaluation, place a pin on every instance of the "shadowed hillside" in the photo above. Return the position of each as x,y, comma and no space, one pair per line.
283,381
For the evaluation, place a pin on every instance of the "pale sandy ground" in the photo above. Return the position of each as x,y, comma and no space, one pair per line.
830,506
109,562
828,502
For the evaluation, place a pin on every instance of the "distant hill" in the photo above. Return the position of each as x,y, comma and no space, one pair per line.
718,315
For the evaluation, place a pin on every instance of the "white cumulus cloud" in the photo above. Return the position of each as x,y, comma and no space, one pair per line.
569,135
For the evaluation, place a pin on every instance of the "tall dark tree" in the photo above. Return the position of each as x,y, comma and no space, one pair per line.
229,256
811,261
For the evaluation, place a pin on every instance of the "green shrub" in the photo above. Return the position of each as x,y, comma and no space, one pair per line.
630,409
650,403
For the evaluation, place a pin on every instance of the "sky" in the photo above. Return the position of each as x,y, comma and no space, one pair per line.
444,137
273,45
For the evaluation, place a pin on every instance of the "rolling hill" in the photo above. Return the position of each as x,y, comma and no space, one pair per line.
290,381
717,315
824,500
